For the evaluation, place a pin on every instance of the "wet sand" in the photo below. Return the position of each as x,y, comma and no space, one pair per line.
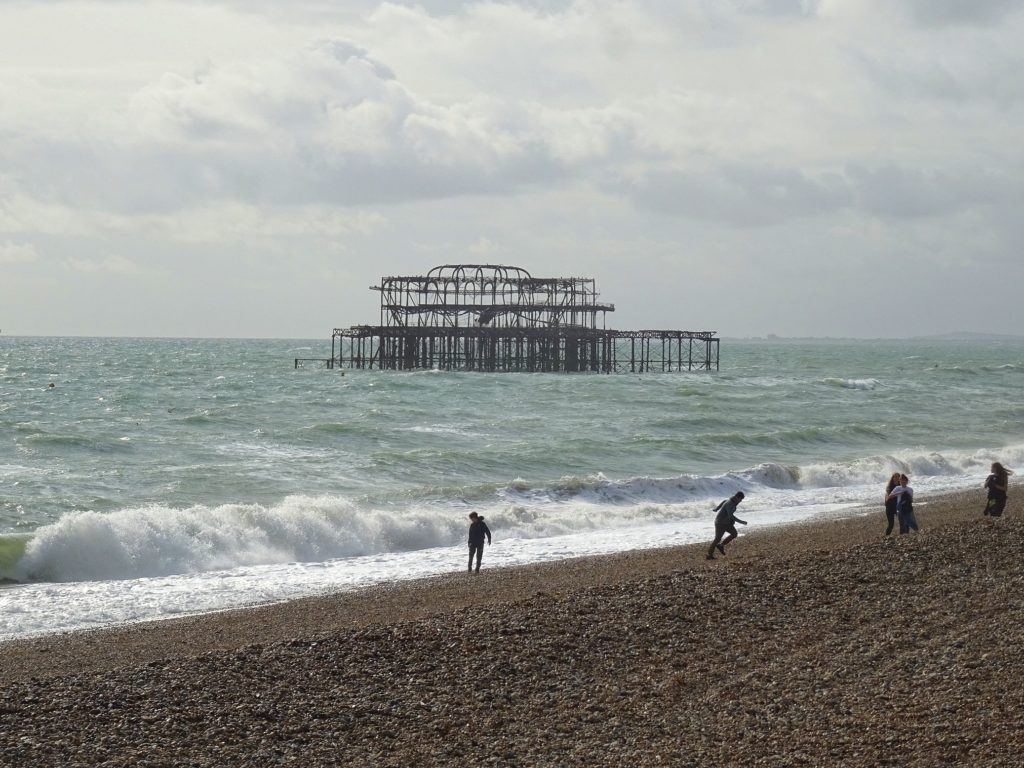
810,644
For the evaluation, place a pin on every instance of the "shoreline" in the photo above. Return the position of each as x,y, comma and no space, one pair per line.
87,649
820,643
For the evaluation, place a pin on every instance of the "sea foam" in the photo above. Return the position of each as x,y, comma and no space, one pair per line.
157,541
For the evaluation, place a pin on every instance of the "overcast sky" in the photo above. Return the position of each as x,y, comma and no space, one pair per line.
250,168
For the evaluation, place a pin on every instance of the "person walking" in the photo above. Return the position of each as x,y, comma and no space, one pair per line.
890,504
478,530
904,496
997,484
725,522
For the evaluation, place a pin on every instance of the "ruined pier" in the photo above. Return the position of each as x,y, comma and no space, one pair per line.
485,317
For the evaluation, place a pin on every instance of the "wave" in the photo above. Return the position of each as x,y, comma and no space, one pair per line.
967,370
333,428
161,541
199,418
692,391
208,416
156,541
931,466
12,549
599,490
866,384
438,429
40,440
788,438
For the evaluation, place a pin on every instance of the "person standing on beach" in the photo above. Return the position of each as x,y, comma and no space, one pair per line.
904,496
997,483
478,530
725,522
890,504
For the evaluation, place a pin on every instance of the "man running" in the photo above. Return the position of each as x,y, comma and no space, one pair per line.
725,522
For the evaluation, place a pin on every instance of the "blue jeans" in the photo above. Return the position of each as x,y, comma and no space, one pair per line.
907,521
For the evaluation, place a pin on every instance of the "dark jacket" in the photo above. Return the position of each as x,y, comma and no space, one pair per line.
726,513
996,487
477,531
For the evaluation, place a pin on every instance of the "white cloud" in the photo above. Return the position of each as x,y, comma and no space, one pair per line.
17,253
240,223
216,222
278,99
113,264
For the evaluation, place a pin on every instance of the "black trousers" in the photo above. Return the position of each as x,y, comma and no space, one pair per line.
721,530
478,551
890,517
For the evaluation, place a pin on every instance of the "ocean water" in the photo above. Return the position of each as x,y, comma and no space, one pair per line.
162,477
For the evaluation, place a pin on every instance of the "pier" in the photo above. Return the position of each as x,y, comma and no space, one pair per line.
485,317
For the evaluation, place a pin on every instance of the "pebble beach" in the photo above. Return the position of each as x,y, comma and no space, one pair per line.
823,643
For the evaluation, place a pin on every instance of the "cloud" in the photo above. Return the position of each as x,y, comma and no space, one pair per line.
271,98
326,124
767,195
211,222
895,192
779,7
978,69
938,13
331,123
745,195
114,265
232,222
17,253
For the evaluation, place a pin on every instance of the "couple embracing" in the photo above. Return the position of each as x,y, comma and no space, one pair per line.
899,504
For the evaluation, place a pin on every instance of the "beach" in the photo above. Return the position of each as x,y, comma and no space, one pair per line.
822,643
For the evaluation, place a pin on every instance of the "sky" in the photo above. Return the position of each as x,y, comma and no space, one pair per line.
845,168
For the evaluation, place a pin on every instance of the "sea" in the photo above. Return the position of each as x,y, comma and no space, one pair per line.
142,478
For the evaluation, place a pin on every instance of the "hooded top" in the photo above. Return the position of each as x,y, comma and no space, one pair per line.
727,512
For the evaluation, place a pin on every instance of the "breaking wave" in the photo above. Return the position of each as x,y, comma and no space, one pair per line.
852,383
161,541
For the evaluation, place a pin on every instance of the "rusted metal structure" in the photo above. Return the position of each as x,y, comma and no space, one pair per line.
487,317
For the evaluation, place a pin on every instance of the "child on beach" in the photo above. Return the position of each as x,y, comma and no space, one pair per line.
904,496
725,522
996,483
477,531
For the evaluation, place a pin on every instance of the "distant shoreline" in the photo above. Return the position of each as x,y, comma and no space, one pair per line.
951,337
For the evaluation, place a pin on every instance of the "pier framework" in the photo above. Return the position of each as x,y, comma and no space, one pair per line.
485,317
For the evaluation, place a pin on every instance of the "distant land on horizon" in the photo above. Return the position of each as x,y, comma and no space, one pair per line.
954,336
